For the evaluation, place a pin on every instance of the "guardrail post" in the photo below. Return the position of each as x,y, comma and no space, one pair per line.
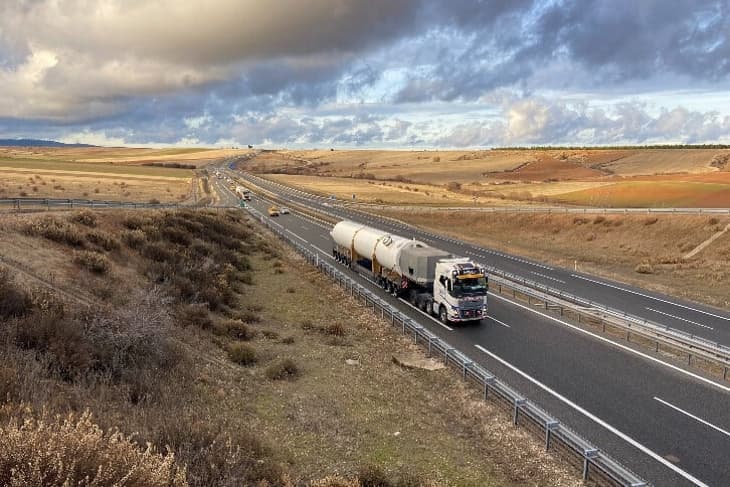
466,365
518,404
724,373
446,354
488,381
549,427
587,455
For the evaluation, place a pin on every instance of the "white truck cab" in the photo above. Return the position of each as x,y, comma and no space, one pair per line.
459,291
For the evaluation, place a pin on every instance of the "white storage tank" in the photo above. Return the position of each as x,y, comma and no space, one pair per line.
344,232
388,251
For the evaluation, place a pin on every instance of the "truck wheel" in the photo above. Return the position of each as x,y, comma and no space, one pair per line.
443,316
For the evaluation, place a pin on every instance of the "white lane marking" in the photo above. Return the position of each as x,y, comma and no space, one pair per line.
548,277
650,297
426,315
678,318
323,251
596,419
297,236
500,322
619,345
696,418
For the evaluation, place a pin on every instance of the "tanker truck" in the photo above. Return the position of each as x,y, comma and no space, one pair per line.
452,288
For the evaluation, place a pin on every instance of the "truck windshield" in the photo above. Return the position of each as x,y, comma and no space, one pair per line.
473,286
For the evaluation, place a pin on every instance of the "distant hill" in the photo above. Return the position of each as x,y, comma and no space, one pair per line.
37,143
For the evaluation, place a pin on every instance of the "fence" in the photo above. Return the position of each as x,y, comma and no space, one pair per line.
593,463
18,204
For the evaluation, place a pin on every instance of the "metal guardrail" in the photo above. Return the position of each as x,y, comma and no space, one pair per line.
551,209
21,203
594,464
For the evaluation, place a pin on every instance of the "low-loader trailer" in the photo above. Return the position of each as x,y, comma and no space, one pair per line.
452,288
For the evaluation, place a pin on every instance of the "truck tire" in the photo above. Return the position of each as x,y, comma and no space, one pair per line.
443,316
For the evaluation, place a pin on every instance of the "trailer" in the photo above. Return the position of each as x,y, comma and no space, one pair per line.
452,288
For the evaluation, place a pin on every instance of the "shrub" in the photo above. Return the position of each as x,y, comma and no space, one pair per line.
56,231
75,451
453,186
84,217
599,219
335,329
242,354
102,240
644,268
194,315
154,201
93,261
235,329
373,476
436,159
651,221
288,340
282,370
217,457
14,302
713,221
134,239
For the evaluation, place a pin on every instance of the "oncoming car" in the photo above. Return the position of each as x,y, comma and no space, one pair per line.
273,211
285,210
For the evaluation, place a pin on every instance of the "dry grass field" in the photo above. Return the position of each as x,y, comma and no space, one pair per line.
599,177
101,173
184,349
118,155
613,246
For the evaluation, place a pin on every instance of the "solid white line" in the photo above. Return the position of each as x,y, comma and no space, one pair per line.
426,315
548,277
650,297
596,419
696,418
500,322
678,318
323,251
297,236
619,345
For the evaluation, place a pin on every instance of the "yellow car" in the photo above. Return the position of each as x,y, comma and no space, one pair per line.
273,211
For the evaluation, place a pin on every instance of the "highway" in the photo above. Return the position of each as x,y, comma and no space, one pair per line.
670,426
701,320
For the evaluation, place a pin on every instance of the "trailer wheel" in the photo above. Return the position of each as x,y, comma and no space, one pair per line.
443,316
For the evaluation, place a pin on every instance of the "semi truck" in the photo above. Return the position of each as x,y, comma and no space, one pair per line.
243,193
450,287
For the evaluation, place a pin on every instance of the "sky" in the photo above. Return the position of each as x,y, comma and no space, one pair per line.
365,73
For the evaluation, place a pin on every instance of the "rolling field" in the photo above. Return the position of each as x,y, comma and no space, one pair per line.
596,177
118,155
64,173
652,194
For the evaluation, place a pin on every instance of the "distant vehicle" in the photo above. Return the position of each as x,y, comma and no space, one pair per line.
273,211
243,193
285,210
333,197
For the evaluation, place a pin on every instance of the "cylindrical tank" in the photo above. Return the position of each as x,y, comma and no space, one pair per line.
344,232
388,251
370,242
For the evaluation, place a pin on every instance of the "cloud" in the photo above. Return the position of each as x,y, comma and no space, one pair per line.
363,72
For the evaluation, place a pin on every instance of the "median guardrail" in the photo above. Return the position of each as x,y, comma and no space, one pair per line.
594,464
